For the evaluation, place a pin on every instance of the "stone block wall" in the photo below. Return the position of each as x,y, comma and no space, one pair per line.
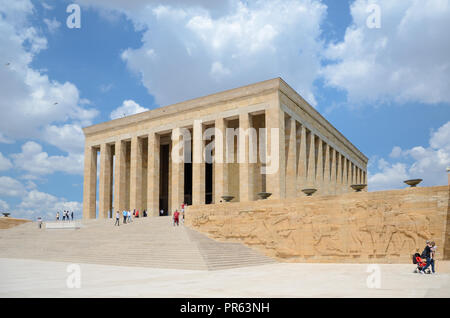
365,227
6,223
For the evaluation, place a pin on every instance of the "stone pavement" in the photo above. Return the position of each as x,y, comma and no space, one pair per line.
37,278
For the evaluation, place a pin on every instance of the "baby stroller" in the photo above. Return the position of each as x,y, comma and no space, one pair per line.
417,259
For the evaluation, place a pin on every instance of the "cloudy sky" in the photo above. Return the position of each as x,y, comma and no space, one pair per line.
384,83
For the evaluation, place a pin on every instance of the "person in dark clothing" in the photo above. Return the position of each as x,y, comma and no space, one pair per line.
427,253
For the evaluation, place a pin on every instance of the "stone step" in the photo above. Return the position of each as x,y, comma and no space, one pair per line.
147,242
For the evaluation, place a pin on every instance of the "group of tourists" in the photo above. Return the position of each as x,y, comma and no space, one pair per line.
429,254
66,215
128,216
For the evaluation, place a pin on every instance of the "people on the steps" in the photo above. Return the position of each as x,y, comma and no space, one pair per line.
125,214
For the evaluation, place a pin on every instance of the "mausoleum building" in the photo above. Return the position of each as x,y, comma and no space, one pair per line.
258,138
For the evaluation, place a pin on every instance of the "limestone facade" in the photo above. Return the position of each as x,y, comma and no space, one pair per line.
138,170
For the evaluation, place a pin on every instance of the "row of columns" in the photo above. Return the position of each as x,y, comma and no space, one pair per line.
305,160
312,163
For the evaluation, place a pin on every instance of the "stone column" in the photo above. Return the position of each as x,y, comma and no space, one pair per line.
275,168
349,176
345,176
353,174
359,176
119,176
339,174
312,161
326,175
319,167
136,174
177,195
302,167
153,174
291,160
198,165
220,166
333,171
104,197
90,182
246,192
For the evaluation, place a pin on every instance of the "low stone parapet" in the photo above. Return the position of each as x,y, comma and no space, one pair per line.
8,222
70,225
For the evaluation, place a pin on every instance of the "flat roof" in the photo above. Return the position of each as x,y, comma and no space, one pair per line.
268,86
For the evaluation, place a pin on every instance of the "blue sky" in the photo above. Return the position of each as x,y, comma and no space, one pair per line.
386,89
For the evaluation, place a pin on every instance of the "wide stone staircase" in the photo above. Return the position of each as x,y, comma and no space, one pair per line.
146,242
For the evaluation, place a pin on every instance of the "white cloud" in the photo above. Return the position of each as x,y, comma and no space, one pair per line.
69,137
396,152
30,100
4,140
429,163
46,6
11,187
190,50
52,25
4,206
37,162
36,203
128,107
5,163
407,59
104,88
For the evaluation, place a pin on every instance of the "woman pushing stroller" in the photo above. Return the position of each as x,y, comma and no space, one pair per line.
428,254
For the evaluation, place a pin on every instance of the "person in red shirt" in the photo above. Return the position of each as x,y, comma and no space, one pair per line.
137,213
176,217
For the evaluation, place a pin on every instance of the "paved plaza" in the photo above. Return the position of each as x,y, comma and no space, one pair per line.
36,278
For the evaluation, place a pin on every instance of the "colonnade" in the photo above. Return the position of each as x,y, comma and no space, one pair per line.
134,172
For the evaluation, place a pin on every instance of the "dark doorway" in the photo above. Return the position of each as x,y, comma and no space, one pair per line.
188,183
208,183
164,180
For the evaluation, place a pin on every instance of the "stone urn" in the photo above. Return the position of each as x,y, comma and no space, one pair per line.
227,198
6,214
358,187
413,182
309,192
264,195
